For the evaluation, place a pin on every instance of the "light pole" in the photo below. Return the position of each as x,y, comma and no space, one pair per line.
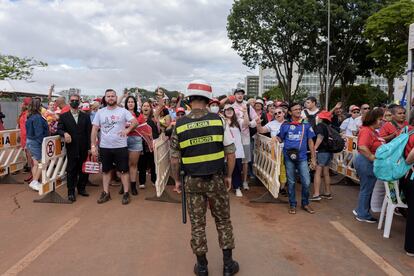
328,57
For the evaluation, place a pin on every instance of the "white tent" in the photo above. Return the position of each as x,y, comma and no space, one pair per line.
24,88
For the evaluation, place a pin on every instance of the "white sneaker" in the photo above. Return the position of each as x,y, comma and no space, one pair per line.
409,254
35,185
245,186
238,193
141,186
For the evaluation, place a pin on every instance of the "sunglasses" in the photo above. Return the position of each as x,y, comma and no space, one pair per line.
355,112
278,113
366,108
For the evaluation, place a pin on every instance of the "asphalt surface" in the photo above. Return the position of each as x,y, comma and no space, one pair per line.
148,238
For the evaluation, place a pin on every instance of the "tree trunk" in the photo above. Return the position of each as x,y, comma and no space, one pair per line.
390,82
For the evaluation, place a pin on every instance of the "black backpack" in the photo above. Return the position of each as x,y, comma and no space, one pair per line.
335,143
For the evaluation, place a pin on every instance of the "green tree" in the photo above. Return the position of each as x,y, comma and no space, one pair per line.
360,94
277,34
348,47
387,34
13,67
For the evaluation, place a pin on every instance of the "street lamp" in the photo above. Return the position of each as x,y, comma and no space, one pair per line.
328,57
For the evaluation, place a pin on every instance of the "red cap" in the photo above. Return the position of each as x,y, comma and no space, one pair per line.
27,101
325,115
180,109
214,100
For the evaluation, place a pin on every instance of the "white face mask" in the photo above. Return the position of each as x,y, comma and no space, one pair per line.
214,109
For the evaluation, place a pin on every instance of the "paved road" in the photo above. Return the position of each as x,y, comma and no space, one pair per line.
147,238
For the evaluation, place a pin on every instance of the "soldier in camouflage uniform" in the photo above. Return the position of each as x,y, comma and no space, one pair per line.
200,141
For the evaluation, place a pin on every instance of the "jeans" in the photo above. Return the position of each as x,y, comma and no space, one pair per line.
303,169
367,180
236,178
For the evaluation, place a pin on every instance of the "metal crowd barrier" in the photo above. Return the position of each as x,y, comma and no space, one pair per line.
342,163
162,162
266,167
12,156
53,168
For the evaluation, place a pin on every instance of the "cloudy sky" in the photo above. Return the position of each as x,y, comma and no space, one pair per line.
94,45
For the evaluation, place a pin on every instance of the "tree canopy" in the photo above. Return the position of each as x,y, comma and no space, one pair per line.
387,34
16,68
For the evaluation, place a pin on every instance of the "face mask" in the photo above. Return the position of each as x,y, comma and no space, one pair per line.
214,109
74,104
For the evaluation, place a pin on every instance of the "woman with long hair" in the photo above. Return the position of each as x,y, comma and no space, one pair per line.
147,158
368,143
235,126
134,144
36,129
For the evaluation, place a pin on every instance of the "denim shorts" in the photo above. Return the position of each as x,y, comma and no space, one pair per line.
35,149
324,158
134,143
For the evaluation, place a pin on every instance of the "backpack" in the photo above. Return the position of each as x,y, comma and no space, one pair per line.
389,163
335,143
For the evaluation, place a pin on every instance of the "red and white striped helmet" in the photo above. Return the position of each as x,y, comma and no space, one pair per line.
199,88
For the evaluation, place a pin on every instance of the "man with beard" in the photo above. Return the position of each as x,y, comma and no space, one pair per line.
112,121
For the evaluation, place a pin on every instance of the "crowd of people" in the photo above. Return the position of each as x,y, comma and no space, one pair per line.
121,129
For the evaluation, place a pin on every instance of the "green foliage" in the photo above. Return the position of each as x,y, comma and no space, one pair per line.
275,93
146,94
387,34
277,34
16,68
359,95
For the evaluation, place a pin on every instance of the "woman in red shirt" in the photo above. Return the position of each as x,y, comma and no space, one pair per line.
407,186
368,142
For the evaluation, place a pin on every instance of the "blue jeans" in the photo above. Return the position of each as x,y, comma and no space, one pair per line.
303,169
367,180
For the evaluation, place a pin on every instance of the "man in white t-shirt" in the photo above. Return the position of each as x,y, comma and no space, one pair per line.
112,121
272,127
350,125
310,111
240,108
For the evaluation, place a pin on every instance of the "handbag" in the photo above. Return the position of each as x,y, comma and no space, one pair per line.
294,153
91,166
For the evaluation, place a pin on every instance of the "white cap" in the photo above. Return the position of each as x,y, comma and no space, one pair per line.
199,88
269,103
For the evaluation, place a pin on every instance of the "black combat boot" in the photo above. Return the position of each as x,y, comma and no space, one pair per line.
200,268
134,190
231,267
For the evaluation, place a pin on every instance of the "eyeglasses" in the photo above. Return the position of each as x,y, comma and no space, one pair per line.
278,113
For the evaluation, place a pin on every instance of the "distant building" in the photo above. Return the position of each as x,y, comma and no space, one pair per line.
267,80
252,86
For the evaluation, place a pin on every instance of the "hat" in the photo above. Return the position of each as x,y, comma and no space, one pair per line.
227,106
353,107
284,104
214,100
325,115
239,90
180,109
199,88
269,103
259,101
86,107
27,101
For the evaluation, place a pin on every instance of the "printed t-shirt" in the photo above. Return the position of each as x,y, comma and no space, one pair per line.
245,131
112,122
291,134
369,138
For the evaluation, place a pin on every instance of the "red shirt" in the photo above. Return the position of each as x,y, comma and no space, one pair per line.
269,116
410,143
389,128
369,138
65,109
140,120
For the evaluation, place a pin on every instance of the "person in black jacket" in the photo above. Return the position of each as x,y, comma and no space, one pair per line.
75,127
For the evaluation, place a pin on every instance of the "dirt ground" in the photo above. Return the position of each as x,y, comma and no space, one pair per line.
148,238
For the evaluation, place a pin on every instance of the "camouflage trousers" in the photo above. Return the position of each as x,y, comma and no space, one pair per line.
200,193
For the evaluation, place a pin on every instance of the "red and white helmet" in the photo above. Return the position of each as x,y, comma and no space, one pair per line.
199,88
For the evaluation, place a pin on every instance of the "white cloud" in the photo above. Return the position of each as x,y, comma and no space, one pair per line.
94,45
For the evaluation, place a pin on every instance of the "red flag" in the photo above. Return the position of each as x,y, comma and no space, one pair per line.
145,131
